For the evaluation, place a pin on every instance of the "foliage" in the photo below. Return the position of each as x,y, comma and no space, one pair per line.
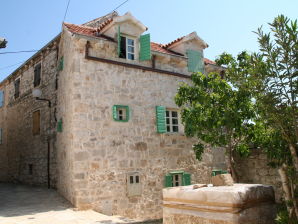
271,76
283,215
215,113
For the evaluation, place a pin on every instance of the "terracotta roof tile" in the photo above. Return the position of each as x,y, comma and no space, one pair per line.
173,42
160,48
89,31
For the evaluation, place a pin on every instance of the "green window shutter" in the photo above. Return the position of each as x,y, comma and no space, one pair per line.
59,126
186,179
1,98
168,180
115,112
161,119
145,45
119,42
61,64
195,61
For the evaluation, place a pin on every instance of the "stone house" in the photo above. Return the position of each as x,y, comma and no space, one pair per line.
105,131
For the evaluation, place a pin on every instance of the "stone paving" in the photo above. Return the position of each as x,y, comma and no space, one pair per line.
20,204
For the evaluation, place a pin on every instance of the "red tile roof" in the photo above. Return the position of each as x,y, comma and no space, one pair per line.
160,48
89,31
173,42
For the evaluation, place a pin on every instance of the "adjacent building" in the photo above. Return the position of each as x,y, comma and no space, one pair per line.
104,129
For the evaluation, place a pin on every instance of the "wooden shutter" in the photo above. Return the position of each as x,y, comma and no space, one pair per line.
161,119
1,98
145,45
36,122
195,61
61,64
115,117
119,42
37,72
168,180
186,179
17,88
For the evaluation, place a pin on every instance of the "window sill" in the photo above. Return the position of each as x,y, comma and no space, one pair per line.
174,134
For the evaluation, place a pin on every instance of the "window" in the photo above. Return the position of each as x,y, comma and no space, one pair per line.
17,88
134,187
172,121
1,98
121,113
127,48
177,178
36,122
37,72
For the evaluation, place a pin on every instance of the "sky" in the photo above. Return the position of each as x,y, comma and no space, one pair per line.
226,25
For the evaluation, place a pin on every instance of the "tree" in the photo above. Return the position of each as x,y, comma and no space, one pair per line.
271,76
216,114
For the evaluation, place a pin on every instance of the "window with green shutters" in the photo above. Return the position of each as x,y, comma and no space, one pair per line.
166,120
145,47
195,62
177,178
121,113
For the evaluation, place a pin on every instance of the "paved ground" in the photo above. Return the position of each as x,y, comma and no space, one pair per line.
20,204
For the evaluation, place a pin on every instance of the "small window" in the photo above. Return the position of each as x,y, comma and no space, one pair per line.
134,187
177,178
121,113
17,88
1,98
30,167
172,121
127,48
37,73
36,123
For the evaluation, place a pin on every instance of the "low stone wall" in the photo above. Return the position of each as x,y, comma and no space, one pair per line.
240,203
254,169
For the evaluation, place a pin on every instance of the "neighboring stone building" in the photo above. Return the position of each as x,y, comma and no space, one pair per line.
111,137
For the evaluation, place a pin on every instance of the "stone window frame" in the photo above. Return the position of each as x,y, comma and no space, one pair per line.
134,185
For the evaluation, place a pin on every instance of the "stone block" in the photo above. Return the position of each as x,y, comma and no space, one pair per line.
222,180
238,204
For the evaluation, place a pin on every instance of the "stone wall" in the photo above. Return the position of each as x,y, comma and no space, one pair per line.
255,169
27,154
98,152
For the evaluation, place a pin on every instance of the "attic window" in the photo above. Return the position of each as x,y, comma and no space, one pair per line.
127,48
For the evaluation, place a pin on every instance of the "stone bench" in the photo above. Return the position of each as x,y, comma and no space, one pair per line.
240,203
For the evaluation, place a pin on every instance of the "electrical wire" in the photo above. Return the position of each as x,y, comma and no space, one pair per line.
16,52
66,10
120,5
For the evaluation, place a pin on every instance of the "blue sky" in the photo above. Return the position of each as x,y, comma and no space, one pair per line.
226,25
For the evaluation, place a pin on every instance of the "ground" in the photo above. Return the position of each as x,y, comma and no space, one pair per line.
20,204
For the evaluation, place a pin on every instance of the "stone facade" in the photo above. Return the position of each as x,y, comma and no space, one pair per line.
255,169
93,156
25,154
